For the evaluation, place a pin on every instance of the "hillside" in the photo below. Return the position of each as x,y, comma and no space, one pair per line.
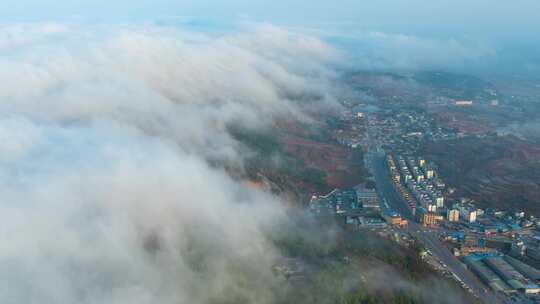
497,172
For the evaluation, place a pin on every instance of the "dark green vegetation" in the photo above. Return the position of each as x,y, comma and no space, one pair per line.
325,263
268,159
299,159
341,266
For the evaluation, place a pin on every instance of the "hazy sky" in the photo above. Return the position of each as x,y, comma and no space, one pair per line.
482,33
475,16
112,126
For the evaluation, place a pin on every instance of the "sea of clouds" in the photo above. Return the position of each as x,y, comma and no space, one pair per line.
107,133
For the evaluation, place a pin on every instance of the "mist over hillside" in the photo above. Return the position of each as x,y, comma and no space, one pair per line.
110,140
238,152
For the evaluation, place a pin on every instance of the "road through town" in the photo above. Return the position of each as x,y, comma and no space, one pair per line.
428,237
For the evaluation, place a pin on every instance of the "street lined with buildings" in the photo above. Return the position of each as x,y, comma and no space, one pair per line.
411,185
428,238
482,250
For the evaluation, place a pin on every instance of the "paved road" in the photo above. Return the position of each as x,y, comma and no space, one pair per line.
428,238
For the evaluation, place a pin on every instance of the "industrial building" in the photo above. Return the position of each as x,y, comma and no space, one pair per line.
487,275
367,198
533,252
372,222
529,272
464,102
504,274
336,202
511,276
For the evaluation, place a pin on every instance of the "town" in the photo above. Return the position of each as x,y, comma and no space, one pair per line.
492,253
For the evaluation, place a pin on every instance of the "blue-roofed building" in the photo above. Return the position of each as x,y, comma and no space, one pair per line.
514,226
502,273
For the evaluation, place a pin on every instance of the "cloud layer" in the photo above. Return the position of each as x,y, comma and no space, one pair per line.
106,137
394,51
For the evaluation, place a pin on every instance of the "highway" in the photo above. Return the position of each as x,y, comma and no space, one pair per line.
427,237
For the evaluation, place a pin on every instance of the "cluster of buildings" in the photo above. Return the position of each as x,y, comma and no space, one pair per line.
504,274
418,184
336,202
466,212
358,207
527,246
501,248
350,128
405,129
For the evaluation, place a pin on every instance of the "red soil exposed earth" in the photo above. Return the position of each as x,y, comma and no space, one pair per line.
343,166
462,122
496,172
